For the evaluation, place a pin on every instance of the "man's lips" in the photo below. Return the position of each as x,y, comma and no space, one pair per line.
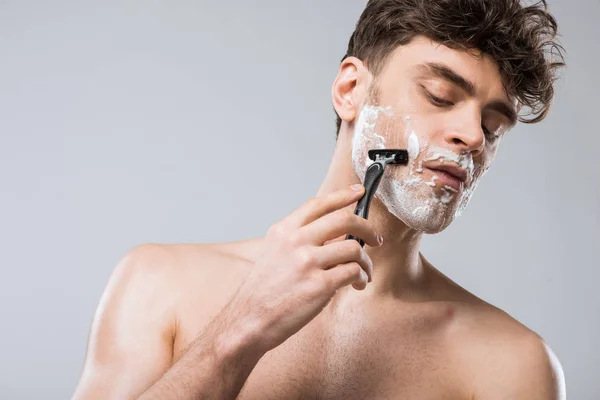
449,174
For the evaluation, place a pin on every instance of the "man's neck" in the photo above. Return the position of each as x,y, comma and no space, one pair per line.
398,267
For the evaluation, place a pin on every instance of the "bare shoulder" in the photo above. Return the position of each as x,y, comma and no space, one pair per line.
146,285
196,280
153,290
504,359
205,273
178,263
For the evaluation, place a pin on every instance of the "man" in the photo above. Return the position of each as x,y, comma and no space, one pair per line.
303,313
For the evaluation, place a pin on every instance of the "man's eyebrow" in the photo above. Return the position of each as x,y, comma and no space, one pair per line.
443,71
448,74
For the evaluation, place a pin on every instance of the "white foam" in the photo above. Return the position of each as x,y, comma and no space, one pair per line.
421,205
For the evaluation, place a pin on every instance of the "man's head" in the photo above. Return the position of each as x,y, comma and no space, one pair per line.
444,79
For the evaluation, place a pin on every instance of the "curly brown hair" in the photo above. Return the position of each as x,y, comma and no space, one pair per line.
520,38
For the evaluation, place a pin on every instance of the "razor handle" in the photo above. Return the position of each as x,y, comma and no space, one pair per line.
372,179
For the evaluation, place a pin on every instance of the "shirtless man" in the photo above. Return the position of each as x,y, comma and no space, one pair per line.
304,314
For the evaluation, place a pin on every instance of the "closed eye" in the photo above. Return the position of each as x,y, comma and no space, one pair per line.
485,130
437,101
489,135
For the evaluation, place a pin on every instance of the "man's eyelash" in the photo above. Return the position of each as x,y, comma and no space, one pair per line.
438,100
488,133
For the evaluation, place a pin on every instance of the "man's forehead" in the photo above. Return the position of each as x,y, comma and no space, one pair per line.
471,62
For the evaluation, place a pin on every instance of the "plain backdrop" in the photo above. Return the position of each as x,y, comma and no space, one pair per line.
130,122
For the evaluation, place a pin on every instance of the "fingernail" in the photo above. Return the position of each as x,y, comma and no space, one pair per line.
357,187
380,239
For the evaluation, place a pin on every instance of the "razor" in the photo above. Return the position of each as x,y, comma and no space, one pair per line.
373,176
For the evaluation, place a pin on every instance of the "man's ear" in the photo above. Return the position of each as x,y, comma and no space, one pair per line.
349,88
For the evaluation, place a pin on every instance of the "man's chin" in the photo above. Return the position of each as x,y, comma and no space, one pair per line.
431,223
432,230
418,207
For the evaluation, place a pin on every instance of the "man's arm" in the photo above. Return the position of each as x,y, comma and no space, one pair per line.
131,340
529,370
215,366
130,348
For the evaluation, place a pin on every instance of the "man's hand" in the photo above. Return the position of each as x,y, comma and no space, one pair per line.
302,267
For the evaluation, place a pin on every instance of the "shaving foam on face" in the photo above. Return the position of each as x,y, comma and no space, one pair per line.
465,161
421,205
413,147
366,138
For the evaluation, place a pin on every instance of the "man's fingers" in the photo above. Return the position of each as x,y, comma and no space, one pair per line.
319,206
344,275
337,239
343,252
336,224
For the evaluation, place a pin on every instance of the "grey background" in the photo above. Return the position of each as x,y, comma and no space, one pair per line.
115,119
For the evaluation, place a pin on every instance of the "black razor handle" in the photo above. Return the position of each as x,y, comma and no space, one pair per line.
372,179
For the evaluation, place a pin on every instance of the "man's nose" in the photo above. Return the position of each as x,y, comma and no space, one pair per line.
467,136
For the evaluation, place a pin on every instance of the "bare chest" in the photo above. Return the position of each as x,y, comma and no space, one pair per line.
358,361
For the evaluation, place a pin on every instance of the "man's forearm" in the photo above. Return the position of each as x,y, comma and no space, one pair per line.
215,366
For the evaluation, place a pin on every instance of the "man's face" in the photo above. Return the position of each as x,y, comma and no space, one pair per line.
449,109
